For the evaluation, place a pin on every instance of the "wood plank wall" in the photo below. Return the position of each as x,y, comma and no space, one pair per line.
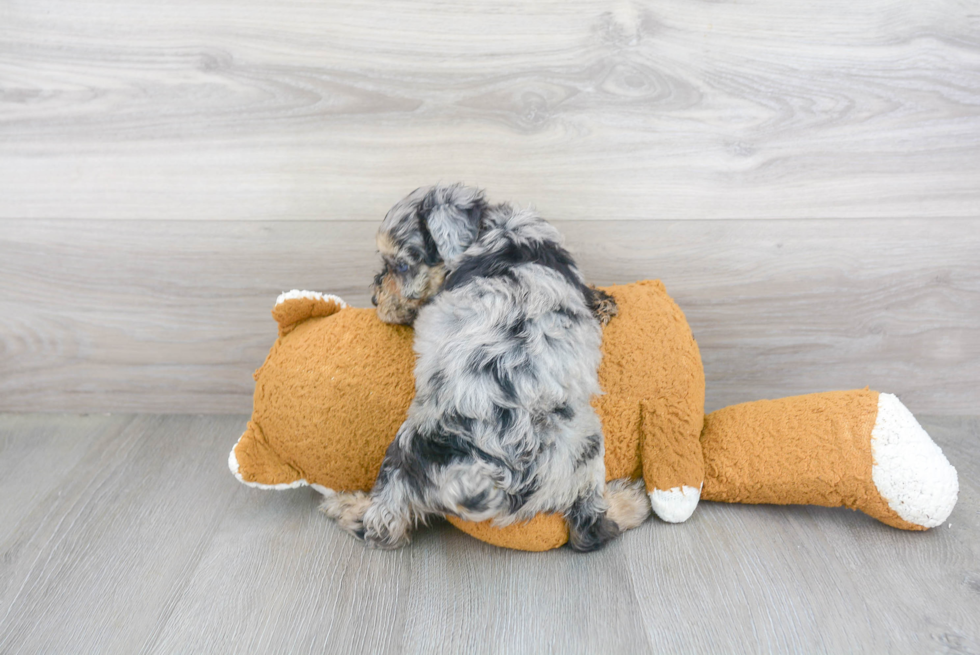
805,178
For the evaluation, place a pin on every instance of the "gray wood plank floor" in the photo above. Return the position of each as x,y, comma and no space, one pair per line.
594,109
173,316
127,534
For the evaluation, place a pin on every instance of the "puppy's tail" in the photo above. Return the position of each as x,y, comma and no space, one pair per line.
628,503
347,509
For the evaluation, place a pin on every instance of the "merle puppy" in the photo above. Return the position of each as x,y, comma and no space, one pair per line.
507,336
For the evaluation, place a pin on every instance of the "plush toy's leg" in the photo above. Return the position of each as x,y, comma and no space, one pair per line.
856,449
673,465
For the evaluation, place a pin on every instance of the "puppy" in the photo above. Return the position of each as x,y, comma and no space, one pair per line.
507,336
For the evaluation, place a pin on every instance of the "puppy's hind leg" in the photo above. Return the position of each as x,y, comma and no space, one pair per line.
389,519
373,518
628,503
589,526
384,518
370,518
347,509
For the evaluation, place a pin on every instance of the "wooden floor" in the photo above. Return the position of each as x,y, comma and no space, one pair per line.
127,534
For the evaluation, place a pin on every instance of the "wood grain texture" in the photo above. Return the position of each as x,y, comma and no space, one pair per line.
97,564
35,458
173,316
151,546
592,109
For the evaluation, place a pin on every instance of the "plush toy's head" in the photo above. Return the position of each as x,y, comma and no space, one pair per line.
337,384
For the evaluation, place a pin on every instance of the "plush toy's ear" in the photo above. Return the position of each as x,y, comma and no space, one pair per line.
294,307
449,219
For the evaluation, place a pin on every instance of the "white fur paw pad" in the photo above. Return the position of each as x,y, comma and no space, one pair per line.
910,471
675,505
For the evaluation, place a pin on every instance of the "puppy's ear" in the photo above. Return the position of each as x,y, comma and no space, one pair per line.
449,218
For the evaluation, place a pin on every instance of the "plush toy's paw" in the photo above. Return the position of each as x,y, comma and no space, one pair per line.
347,509
675,505
910,471
628,506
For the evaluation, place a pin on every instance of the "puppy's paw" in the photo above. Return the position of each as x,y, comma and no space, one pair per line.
385,530
628,504
593,534
589,525
347,509
603,305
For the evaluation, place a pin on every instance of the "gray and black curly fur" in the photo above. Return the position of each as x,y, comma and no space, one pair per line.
507,336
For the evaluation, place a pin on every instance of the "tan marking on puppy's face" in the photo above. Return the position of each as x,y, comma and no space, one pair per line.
386,245
393,307
399,296
403,285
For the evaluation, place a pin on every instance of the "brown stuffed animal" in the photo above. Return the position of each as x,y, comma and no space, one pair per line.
338,382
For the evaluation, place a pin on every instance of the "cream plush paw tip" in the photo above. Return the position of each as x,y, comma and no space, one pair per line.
675,505
910,471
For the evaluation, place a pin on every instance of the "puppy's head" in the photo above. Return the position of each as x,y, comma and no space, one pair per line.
419,237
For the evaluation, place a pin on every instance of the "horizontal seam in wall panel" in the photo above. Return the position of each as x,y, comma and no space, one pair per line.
550,218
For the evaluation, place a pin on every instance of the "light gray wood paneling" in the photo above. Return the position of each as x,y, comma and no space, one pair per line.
592,109
151,546
174,315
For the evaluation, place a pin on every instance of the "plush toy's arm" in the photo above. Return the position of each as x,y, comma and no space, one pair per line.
857,449
673,465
